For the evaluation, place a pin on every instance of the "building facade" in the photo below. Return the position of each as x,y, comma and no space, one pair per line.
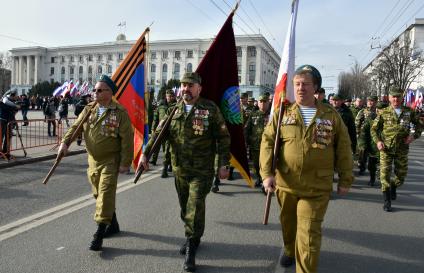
413,33
258,63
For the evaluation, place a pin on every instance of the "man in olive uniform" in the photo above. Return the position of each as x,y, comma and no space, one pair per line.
108,136
391,131
253,131
347,118
356,107
314,142
196,134
159,114
320,95
363,118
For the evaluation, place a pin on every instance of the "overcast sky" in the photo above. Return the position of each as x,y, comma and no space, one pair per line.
328,31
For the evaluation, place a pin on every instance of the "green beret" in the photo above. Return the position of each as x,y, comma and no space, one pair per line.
337,97
105,78
267,94
373,98
191,77
170,92
312,70
395,91
263,97
244,95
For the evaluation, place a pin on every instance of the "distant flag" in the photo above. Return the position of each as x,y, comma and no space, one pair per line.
218,70
134,98
68,88
284,88
75,89
61,89
409,97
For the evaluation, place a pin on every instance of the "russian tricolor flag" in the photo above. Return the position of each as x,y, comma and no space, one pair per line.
133,99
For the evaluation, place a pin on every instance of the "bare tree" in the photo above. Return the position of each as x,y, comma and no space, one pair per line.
354,83
5,73
398,64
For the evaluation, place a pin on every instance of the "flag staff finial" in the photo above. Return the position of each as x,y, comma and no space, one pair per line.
236,7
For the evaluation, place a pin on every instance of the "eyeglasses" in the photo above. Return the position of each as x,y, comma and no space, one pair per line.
99,90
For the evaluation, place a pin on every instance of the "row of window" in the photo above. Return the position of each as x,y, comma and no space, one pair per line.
81,70
89,57
177,54
189,68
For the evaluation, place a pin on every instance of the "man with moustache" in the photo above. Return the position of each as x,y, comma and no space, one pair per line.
197,133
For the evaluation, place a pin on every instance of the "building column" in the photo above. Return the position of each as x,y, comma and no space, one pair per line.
13,71
258,66
244,66
28,72
36,69
20,70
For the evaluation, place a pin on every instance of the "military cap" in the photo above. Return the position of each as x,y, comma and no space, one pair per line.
337,97
170,92
373,98
263,97
348,100
251,99
320,91
312,70
244,95
267,94
105,78
395,91
191,77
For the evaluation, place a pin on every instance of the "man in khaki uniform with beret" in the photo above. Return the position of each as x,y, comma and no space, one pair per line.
109,142
314,142
196,134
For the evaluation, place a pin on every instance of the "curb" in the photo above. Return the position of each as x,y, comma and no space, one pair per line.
37,159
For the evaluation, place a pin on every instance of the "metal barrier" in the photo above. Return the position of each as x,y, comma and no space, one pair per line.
32,134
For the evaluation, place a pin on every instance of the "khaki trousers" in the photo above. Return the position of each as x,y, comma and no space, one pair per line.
301,218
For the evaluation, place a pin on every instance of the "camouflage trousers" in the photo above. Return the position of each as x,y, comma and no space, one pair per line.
362,158
255,159
301,219
192,192
167,153
399,159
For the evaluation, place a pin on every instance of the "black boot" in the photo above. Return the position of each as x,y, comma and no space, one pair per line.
190,256
164,172
372,179
286,261
215,184
169,167
387,203
97,242
393,194
113,228
183,248
230,176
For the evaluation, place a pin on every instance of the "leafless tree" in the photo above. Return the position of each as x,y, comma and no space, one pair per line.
354,83
5,73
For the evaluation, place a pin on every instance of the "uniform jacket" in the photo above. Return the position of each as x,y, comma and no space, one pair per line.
361,120
195,138
392,129
108,137
349,121
308,155
254,128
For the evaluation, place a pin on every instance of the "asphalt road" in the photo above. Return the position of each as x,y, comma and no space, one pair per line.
48,228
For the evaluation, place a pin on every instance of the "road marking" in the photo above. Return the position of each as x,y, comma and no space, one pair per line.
38,219
419,163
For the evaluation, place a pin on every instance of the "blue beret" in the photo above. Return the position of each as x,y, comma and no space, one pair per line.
312,70
104,78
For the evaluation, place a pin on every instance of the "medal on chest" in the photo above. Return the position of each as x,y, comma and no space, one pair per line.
200,121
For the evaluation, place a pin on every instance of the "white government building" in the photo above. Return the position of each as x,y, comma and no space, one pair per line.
258,63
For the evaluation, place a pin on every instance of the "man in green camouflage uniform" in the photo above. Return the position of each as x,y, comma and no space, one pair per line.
159,115
391,131
364,118
347,118
253,130
357,106
196,134
108,137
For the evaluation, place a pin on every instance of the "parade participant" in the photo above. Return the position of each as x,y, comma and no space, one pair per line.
348,102
109,142
158,115
391,131
356,107
50,115
347,118
25,104
314,142
8,109
361,119
253,131
79,106
196,134
320,95
63,109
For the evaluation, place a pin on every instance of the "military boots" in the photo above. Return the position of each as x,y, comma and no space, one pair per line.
372,179
184,246
97,242
190,256
387,202
164,171
230,176
215,184
113,228
393,194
